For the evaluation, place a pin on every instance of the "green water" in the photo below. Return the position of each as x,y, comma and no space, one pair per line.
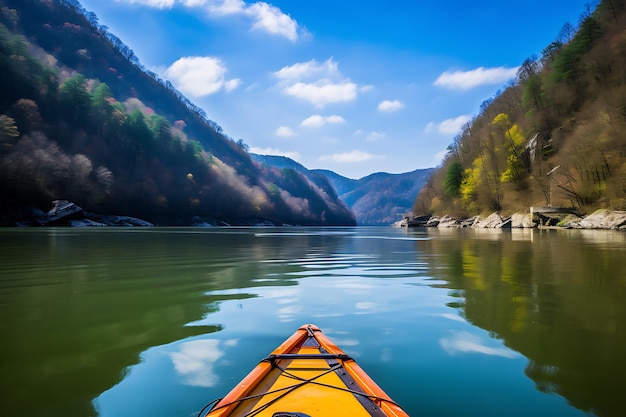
158,322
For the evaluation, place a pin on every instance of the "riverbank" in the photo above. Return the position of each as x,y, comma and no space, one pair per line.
67,214
600,219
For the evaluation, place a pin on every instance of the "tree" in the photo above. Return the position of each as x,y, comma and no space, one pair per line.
75,100
8,132
100,102
453,179
26,115
164,143
550,52
513,144
529,68
138,136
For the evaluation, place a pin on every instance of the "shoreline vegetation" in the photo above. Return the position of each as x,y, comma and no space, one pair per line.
533,218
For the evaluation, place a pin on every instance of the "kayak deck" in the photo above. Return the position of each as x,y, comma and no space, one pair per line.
307,375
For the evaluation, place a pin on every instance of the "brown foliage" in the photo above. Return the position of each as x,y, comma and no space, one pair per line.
581,118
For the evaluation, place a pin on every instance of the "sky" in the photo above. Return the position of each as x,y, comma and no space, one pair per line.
356,87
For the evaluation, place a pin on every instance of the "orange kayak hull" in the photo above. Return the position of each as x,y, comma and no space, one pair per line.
307,376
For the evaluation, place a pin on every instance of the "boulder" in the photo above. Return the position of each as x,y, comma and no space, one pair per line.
468,222
600,219
113,220
86,223
493,221
522,220
433,221
61,213
448,221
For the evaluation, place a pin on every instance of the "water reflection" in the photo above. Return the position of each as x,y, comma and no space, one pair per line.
559,302
194,361
161,321
464,342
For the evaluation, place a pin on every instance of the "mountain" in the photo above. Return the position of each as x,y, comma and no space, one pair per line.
380,199
82,120
555,137
377,200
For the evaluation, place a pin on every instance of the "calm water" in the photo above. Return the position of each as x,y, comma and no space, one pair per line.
158,322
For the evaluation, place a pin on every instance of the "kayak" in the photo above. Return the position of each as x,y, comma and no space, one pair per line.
306,376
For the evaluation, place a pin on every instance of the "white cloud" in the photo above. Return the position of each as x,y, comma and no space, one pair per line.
284,132
323,92
224,8
276,152
464,80
198,76
160,4
438,157
389,106
375,136
453,126
303,70
349,157
272,20
317,120
448,126
317,83
264,16
372,136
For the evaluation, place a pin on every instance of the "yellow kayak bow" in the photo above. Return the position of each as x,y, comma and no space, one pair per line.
306,376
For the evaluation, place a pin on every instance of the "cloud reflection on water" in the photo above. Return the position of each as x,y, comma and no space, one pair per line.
464,342
195,360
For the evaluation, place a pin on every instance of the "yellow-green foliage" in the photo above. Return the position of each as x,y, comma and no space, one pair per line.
571,102
471,180
513,145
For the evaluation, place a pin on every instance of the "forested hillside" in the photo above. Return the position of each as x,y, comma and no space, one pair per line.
557,136
82,120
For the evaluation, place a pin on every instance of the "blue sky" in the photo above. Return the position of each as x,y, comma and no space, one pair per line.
352,86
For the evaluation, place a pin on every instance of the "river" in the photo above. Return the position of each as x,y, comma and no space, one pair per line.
160,321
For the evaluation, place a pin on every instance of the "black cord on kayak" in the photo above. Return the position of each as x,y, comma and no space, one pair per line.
211,405
284,391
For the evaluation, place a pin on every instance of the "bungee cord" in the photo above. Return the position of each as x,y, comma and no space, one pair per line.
282,392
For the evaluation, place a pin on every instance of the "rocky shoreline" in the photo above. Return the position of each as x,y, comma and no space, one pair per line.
67,214
600,219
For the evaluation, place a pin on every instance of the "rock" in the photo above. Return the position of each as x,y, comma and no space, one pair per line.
61,213
522,220
86,223
493,221
448,221
505,224
198,221
556,217
469,222
433,222
600,219
550,219
112,220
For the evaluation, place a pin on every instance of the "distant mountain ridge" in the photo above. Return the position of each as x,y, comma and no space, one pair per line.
378,199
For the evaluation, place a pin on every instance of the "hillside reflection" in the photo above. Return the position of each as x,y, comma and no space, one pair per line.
560,303
99,298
